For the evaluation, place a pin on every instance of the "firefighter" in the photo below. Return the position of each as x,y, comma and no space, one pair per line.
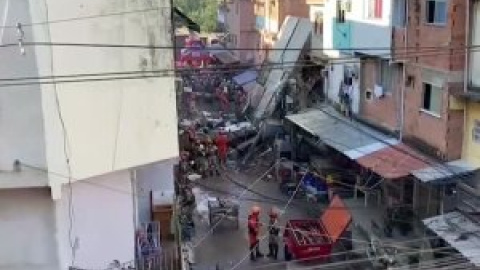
273,234
253,232
221,142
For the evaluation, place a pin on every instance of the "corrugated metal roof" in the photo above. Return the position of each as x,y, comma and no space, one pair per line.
382,154
444,172
351,138
393,162
459,232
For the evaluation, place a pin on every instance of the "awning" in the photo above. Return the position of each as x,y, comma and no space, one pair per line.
185,20
393,162
336,219
245,77
348,137
442,173
459,232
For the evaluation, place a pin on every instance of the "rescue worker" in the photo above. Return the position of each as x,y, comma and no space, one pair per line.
222,146
253,232
273,234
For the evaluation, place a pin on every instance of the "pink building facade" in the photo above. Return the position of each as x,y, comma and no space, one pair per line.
240,26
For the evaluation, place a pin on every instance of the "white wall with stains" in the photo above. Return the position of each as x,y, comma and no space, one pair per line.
118,123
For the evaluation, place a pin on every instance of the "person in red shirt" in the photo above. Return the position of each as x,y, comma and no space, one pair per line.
222,146
253,232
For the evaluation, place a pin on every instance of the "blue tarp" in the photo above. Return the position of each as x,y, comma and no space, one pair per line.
245,77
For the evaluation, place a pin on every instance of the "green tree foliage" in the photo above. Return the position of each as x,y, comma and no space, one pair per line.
203,12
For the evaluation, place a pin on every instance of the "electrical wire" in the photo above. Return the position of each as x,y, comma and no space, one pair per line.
155,47
82,18
349,262
210,231
162,73
129,193
216,69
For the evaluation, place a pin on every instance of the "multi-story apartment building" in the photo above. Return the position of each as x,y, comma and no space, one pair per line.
269,16
79,154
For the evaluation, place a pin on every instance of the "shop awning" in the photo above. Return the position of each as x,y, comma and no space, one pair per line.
245,77
393,162
444,173
350,138
459,232
336,219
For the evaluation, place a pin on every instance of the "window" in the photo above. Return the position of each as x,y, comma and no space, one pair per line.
340,12
375,9
432,98
399,13
476,131
384,75
436,12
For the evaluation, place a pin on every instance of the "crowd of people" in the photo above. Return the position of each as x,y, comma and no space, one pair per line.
203,154
216,86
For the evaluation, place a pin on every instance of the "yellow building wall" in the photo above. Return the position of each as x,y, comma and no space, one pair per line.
471,147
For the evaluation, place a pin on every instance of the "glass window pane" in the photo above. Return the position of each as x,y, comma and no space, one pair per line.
436,100
441,12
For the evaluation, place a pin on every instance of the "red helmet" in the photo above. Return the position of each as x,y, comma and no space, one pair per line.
255,210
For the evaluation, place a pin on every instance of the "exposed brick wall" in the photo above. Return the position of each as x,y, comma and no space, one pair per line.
383,111
440,136
421,35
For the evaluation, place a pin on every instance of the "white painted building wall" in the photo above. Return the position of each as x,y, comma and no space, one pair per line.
330,7
110,125
21,126
379,30
103,221
27,230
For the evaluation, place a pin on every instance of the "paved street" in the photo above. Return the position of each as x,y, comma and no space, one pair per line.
228,246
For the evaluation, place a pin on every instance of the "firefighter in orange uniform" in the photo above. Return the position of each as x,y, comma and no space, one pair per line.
273,234
253,232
